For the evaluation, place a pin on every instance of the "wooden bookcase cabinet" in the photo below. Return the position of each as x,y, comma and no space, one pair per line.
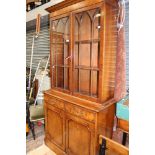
80,105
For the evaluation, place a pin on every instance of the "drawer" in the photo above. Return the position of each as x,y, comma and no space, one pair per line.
58,103
80,112
123,125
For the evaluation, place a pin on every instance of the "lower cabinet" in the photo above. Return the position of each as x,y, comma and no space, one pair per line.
79,136
71,129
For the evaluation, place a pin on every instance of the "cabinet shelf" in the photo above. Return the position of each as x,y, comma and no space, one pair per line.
67,66
87,41
86,68
80,41
60,43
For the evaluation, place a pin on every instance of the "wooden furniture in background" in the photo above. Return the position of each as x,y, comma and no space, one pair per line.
80,105
122,113
124,126
110,147
35,87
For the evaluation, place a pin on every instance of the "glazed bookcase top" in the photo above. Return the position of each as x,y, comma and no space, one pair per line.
83,48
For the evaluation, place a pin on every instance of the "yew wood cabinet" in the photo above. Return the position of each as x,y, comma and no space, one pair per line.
80,104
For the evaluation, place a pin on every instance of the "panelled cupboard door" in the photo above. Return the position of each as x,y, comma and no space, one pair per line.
79,136
56,126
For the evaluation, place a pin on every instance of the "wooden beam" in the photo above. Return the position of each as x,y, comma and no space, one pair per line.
38,24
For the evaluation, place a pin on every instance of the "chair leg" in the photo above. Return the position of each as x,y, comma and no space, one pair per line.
32,130
102,147
124,138
31,127
30,124
44,124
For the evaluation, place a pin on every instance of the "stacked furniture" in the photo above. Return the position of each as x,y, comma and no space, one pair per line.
80,105
122,113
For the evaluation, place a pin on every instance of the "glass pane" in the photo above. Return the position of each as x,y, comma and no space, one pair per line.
61,25
84,55
95,55
94,83
66,32
66,53
60,77
85,27
66,78
76,32
54,76
96,24
60,52
76,79
84,81
53,53
76,55
53,30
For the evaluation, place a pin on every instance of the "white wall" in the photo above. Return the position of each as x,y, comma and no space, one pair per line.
40,10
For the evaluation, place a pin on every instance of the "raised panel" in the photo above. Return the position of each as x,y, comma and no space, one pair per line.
85,28
79,140
55,127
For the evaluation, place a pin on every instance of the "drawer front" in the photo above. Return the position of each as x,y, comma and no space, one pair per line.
123,125
71,108
55,102
80,112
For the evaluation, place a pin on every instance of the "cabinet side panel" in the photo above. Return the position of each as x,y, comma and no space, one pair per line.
110,49
105,121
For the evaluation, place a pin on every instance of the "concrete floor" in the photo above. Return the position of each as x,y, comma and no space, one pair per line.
39,141
42,150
